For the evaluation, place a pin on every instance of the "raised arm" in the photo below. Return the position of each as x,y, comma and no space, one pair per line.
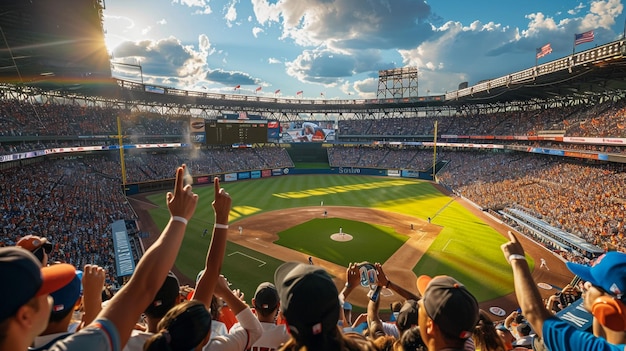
384,281
128,304
374,323
93,282
526,290
237,338
215,255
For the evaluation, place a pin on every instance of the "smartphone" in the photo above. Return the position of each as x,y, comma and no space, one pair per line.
374,294
367,271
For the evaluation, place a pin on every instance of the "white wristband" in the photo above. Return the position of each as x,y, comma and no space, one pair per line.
516,257
221,226
180,219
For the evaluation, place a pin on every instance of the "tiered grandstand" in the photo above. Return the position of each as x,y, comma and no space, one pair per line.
543,148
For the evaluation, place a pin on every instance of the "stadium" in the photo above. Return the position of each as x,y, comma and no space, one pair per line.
422,184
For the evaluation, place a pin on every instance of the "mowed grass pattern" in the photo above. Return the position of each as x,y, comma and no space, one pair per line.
373,243
466,248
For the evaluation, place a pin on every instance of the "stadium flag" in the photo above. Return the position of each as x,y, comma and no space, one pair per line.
300,92
543,51
322,94
277,91
257,89
238,86
585,37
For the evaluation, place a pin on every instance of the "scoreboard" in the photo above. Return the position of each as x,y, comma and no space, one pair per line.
228,132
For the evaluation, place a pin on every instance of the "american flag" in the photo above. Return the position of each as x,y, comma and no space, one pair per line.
257,89
300,92
585,37
238,86
544,50
277,91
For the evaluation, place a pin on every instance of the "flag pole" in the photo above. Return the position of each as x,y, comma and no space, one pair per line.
574,46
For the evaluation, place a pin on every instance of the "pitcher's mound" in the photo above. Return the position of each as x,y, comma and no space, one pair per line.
341,237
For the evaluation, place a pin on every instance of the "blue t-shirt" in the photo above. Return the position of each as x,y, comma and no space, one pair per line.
561,335
100,335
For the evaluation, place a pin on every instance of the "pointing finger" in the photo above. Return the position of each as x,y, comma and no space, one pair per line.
216,183
512,237
178,186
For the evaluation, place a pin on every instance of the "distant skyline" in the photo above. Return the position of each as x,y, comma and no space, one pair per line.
333,49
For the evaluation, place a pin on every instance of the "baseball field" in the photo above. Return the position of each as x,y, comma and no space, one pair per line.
283,219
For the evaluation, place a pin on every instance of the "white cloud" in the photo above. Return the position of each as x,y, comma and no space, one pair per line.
348,24
366,88
602,14
576,9
163,21
146,30
273,60
231,13
205,9
256,31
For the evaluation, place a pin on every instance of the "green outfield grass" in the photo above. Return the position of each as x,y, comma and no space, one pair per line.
466,248
373,243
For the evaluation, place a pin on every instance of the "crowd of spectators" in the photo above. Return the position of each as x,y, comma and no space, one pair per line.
607,119
142,166
581,198
67,202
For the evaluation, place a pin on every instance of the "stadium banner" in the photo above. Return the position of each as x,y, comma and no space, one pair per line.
579,154
340,170
203,180
255,174
603,141
230,177
545,151
576,315
197,131
242,115
393,173
616,158
406,173
154,89
266,173
124,262
243,175
277,172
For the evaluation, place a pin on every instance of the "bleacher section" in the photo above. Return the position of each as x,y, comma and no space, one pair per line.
547,233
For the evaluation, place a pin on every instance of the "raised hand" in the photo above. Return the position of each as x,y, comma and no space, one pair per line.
183,201
221,203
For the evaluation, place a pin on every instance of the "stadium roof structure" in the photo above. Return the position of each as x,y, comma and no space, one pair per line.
53,44
59,46
597,71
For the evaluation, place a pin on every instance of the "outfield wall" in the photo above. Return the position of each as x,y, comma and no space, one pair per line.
167,184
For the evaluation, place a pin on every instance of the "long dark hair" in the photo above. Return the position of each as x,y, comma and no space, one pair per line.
485,336
182,328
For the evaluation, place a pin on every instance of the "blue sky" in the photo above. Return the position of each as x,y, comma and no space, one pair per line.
336,47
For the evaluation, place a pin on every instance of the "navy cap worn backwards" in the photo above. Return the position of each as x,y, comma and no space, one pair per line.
65,298
23,279
309,299
266,297
449,304
608,272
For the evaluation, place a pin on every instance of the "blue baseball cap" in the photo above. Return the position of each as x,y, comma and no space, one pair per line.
65,298
23,278
607,271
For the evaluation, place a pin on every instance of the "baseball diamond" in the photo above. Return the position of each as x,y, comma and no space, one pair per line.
449,244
